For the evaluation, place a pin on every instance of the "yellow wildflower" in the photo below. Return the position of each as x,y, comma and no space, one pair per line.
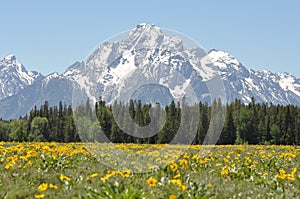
42,195
62,177
126,173
225,171
94,175
291,177
172,197
176,181
186,156
182,187
177,176
281,176
281,171
184,163
173,166
203,161
43,187
9,165
151,182
52,186
29,163
294,170
54,156
103,179
196,156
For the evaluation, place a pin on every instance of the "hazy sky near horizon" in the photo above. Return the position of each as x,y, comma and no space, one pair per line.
49,36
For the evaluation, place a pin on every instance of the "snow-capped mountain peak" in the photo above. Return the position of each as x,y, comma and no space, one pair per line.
148,58
223,60
9,61
14,77
9,58
144,36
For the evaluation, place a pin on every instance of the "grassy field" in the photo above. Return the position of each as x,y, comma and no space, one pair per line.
77,170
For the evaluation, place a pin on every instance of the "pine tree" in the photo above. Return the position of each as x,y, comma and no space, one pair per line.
228,135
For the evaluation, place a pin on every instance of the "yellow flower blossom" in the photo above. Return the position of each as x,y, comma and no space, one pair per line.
54,156
43,187
186,156
151,182
182,187
175,181
62,177
225,171
281,171
294,170
126,173
9,165
29,163
184,163
172,197
282,174
177,176
291,177
173,166
94,175
196,156
42,195
53,186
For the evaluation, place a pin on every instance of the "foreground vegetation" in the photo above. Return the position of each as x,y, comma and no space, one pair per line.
56,170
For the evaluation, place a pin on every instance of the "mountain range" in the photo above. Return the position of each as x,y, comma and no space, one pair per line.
147,64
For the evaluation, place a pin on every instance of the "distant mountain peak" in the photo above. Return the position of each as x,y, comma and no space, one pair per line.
145,25
145,34
10,57
14,77
147,28
9,60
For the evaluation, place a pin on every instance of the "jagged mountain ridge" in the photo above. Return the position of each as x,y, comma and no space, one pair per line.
146,57
265,86
14,77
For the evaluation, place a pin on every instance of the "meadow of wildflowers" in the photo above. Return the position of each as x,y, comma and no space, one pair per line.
57,170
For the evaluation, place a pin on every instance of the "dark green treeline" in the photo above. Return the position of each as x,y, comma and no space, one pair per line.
254,123
44,124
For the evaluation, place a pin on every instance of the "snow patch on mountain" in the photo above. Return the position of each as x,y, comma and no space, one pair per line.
287,83
180,90
223,59
124,68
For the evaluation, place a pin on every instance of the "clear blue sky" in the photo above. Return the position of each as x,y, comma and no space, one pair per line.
49,36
